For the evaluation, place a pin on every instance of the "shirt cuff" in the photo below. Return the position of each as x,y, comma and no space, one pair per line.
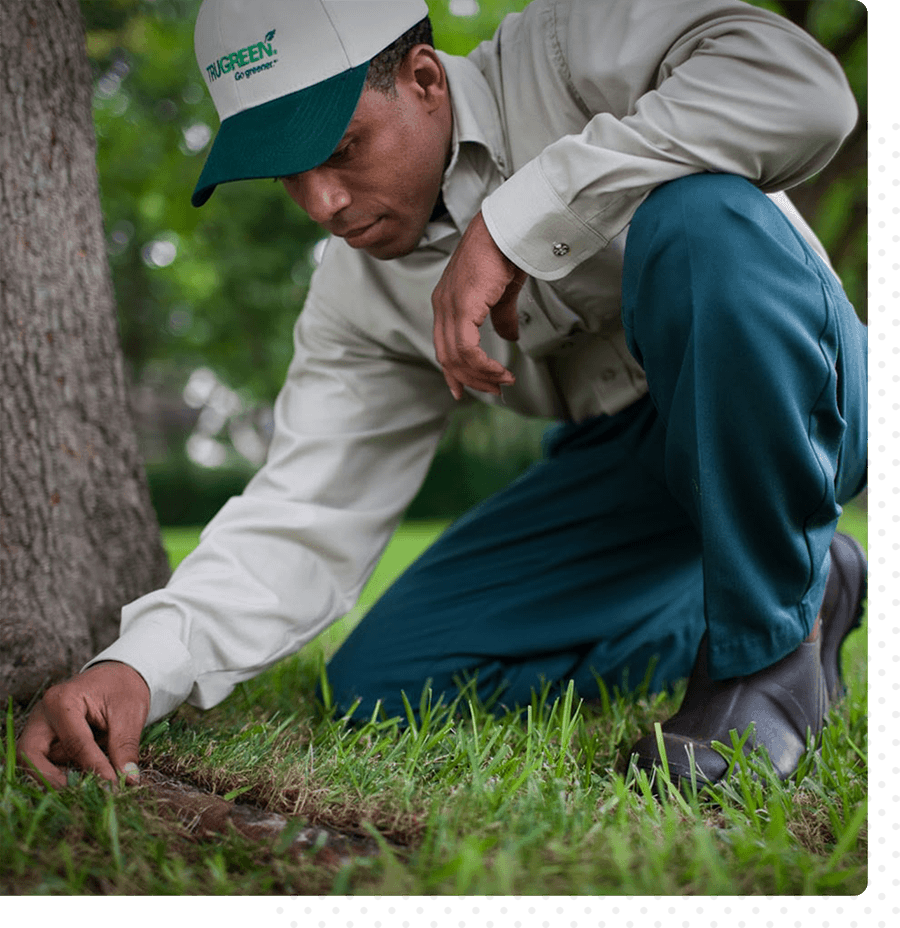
535,229
165,664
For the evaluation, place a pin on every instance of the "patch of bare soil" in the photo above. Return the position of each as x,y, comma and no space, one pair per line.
205,814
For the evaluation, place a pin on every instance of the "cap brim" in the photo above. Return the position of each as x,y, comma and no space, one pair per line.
294,133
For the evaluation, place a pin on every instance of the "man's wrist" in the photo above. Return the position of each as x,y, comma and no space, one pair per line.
149,648
532,226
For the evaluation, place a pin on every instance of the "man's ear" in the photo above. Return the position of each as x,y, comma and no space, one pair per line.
421,70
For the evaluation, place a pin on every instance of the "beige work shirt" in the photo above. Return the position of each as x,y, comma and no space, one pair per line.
561,126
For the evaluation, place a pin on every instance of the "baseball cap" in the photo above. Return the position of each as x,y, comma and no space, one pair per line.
285,77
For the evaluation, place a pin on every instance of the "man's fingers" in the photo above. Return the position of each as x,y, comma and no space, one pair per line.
456,388
504,315
506,323
457,342
68,718
467,379
103,709
464,362
43,771
34,747
479,280
471,366
125,746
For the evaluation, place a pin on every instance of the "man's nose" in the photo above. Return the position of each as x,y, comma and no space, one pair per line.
318,193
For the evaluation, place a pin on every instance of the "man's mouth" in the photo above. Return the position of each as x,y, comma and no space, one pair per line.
361,235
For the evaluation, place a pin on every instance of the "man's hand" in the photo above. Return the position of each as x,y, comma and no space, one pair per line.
479,280
104,708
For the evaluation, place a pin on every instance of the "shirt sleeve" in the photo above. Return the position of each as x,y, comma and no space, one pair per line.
355,431
668,88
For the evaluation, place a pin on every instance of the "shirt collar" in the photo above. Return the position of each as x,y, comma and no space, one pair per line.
477,151
476,117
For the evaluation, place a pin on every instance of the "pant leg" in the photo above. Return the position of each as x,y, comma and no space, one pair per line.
585,565
757,365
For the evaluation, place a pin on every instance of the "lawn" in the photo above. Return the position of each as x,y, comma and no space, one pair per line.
455,803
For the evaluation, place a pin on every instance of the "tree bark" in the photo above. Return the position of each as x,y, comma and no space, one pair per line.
78,535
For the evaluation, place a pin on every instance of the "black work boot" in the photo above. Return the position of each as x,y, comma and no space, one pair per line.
842,607
785,702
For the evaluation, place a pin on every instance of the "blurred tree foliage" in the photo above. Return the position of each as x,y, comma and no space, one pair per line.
221,287
218,287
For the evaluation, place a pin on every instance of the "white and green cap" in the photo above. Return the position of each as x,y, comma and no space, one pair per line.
285,76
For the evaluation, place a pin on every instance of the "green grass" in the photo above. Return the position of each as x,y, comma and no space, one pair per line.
460,802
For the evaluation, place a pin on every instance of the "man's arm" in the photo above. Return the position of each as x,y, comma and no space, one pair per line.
668,88
355,432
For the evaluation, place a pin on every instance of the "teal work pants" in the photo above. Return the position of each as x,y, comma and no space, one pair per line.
707,506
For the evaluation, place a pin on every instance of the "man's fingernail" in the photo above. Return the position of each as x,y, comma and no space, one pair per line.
131,771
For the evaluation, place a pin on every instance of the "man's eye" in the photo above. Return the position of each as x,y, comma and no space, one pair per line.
340,154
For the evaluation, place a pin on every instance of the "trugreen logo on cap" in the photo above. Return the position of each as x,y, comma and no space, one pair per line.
232,62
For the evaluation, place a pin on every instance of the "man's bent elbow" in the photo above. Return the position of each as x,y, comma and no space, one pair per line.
822,127
832,114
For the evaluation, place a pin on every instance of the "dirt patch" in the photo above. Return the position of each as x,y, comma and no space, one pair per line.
205,814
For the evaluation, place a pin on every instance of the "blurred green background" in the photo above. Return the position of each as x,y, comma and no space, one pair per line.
207,298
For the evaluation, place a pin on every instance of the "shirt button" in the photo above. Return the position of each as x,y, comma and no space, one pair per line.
524,318
561,249
607,374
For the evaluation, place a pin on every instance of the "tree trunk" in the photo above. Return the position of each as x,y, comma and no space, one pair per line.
78,535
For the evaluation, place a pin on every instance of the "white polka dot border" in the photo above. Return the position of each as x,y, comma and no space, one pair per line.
869,910
879,903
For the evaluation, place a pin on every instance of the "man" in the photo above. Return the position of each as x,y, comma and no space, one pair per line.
709,374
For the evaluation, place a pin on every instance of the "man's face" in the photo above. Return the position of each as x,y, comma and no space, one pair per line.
380,186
